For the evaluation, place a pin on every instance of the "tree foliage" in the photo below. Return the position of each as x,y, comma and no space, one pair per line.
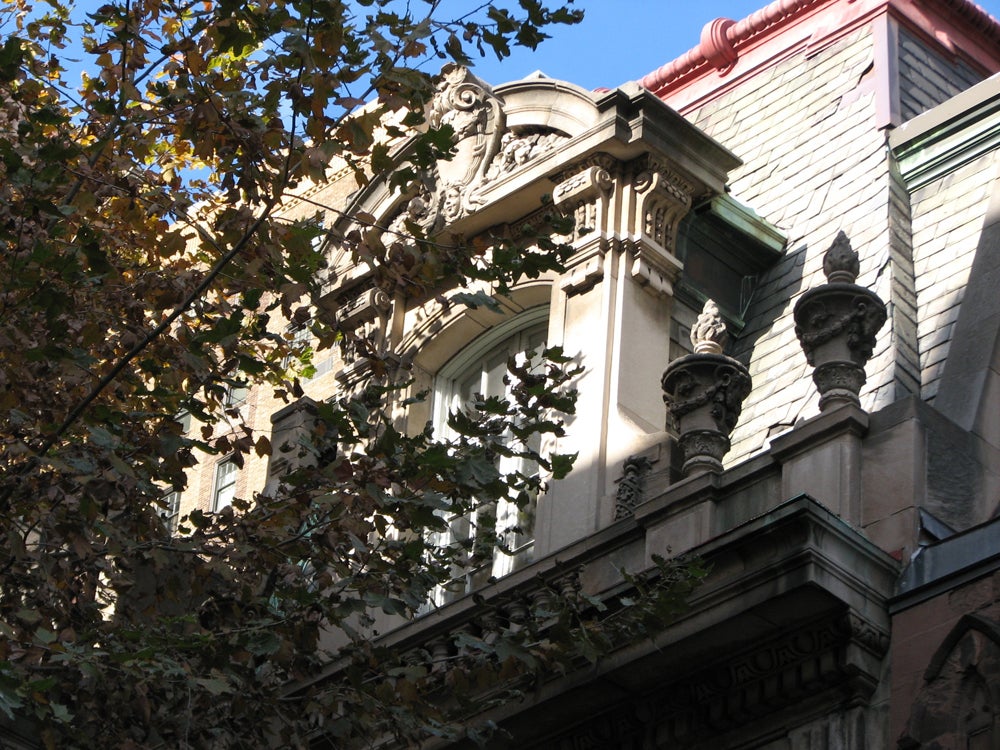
145,266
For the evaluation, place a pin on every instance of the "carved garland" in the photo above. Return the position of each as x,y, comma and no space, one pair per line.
725,388
860,324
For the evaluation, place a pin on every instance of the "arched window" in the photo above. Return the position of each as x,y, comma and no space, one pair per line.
498,537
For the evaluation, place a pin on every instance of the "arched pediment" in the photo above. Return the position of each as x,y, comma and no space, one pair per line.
513,145
542,102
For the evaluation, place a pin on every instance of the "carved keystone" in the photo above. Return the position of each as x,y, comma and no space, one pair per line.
704,394
836,324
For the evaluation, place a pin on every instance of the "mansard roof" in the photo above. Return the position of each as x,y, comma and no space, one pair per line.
730,50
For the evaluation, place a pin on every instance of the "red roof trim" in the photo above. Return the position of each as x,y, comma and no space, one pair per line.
722,38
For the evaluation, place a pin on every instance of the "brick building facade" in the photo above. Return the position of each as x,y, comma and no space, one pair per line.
855,563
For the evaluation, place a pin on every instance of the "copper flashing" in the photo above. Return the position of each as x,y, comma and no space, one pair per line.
722,39
714,44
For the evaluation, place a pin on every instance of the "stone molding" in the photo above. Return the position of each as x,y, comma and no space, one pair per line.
586,267
653,269
631,485
724,696
943,140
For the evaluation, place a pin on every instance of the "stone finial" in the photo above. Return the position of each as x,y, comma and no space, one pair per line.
708,334
704,393
836,324
840,262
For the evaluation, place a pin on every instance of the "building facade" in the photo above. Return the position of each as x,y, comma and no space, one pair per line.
846,507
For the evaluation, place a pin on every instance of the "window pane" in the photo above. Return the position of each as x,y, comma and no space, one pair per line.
225,485
236,395
172,512
497,538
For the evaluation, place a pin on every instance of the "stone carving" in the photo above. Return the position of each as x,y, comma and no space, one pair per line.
709,334
704,394
665,198
584,193
516,150
363,308
733,691
957,704
364,319
468,105
836,324
841,262
449,191
867,633
837,381
630,486
484,151
662,199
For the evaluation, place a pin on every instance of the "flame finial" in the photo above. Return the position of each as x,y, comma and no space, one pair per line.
840,263
708,334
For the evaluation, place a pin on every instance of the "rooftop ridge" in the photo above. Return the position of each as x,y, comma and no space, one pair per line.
722,37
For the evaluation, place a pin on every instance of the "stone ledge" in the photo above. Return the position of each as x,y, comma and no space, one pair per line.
943,566
846,419
793,613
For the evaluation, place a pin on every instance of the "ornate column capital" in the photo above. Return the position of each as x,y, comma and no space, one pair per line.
584,192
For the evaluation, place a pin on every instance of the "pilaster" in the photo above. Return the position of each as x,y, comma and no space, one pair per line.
618,287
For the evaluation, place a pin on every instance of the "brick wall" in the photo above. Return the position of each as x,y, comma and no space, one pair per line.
261,403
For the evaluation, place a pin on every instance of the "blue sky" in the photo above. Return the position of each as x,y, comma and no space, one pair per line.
622,40
618,40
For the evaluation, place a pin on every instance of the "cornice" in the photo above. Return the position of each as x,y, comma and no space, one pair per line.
734,50
720,41
949,136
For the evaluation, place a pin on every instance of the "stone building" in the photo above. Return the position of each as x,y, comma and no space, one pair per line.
797,216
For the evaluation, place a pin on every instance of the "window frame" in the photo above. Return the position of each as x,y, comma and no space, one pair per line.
171,515
448,379
218,487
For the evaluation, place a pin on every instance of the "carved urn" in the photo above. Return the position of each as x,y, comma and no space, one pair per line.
704,394
836,324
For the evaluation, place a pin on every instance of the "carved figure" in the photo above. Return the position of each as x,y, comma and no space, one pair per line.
630,486
516,150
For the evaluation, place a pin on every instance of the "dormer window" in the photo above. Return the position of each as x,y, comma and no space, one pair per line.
498,537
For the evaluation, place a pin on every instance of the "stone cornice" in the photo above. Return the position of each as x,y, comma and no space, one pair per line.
739,643
949,136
